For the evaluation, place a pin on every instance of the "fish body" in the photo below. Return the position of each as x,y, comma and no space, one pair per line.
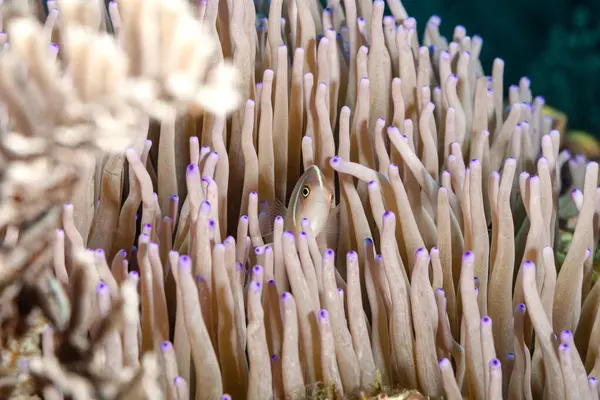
579,142
559,118
311,198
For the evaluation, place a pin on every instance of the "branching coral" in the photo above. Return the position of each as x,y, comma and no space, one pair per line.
442,276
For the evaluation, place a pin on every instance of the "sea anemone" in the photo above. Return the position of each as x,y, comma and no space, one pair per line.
171,276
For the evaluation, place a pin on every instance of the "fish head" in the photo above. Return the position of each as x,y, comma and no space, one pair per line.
312,198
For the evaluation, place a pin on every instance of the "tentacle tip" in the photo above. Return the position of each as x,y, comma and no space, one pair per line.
165,345
566,334
178,381
256,286
444,362
229,239
185,263
421,251
494,363
528,264
101,287
323,314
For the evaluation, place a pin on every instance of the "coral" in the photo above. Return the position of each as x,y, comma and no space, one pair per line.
171,276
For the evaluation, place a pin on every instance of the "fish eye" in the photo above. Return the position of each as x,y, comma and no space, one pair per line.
305,191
